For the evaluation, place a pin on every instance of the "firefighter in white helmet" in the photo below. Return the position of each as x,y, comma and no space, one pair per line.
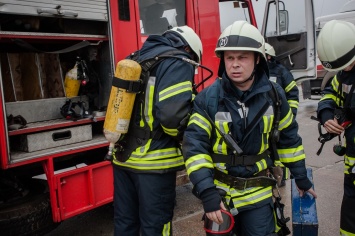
148,156
336,109
225,145
281,75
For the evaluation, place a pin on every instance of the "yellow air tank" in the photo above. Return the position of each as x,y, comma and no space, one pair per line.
71,82
120,104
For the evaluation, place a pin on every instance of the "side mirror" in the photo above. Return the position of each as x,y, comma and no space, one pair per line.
283,20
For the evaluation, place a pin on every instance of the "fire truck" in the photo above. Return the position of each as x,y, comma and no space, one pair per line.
52,148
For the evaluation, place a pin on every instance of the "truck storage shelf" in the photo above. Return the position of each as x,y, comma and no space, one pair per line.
96,142
61,36
53,124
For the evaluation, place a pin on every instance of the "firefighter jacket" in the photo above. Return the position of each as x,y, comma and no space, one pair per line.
235,111
336,96
167,101
282,76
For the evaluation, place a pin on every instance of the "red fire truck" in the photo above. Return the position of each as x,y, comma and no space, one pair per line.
52,150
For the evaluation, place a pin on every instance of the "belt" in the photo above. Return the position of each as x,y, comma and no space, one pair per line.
243,183
246,160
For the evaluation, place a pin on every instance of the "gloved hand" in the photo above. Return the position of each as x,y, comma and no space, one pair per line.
211,200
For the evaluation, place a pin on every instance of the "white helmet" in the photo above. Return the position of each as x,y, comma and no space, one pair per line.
191,38
240,36
270,50
336,45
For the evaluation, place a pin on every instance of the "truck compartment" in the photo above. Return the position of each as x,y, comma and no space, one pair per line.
38,47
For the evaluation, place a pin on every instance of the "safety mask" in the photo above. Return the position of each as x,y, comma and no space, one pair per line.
212,228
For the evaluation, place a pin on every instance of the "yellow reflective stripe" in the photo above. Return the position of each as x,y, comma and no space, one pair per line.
174,90
261,165
171,132
155,154
148,109
290,86
335,86
142,150
197,162
278,163
328,96
201,122
252,198
335,83
291,154
220,146
166,229
152,165
348,162
286,121
293,103
346,233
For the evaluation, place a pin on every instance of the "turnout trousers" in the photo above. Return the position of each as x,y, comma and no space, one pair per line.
256,222
347,213
143,203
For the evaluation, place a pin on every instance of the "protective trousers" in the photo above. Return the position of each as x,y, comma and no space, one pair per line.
144,203
256,222
347,214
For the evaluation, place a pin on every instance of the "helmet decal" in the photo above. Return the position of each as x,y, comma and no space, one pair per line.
223,41
238,41
327,65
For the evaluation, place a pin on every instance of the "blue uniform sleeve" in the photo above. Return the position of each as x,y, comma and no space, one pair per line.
173,95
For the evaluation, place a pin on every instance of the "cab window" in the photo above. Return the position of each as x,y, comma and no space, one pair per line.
157,16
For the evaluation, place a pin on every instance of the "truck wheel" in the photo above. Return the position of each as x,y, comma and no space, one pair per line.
28,215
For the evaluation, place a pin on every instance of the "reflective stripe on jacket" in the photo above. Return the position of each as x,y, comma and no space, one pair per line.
233,115
334,96
168,99
285,79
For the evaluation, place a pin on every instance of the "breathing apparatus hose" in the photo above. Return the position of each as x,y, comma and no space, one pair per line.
195,64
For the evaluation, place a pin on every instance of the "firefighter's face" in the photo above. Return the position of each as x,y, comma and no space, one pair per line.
239,66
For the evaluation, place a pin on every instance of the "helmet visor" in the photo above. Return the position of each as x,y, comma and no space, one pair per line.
226,227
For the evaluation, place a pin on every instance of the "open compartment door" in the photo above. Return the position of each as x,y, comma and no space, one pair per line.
289,28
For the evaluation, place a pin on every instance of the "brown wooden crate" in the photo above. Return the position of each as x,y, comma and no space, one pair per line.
9,93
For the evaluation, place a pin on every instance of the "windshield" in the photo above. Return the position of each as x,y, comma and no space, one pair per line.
231,11
158,15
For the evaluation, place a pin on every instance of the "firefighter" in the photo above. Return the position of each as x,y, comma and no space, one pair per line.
145,181
225,145
336,51
281,75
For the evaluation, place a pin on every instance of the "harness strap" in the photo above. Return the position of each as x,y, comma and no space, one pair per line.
131,86
243,183
246,160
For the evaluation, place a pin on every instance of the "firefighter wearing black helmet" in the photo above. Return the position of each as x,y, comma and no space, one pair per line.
238,106
336,109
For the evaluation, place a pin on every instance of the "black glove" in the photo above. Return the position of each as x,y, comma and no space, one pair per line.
303,184
211,200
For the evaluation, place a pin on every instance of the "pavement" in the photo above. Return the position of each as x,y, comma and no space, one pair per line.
328,184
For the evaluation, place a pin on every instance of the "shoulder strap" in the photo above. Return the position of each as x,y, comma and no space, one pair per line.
275,133
212,97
